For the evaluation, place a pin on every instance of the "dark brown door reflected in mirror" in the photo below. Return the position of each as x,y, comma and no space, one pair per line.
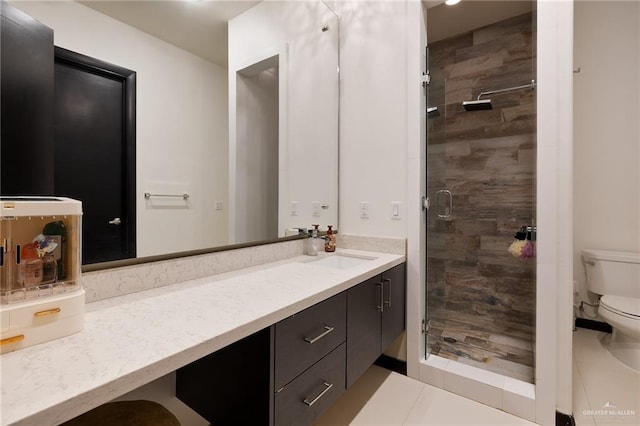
95,151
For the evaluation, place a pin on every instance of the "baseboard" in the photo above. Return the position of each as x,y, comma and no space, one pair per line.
593,325
391,363
564,419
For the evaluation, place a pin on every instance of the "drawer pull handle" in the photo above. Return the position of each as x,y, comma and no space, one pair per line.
327,387
46,313
326,331
388,301
12,339
381,305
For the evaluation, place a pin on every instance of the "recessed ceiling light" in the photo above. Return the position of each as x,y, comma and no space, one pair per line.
451,2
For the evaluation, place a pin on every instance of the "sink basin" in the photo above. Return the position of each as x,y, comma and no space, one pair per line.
339,261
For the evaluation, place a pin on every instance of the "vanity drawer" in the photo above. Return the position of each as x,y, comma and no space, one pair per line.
309,395
30,323
304,338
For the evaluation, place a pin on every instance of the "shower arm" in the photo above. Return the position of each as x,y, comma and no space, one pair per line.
531,85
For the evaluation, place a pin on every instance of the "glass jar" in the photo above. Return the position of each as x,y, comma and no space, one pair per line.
30,273
49,269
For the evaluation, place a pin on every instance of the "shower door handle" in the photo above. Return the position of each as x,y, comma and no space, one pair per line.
448,207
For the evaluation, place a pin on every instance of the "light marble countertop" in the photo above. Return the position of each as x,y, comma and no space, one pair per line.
131,340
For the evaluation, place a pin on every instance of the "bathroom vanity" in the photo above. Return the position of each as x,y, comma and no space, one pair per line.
131,340
295,369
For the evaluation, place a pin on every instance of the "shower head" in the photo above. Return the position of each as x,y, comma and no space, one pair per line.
433,112
485,104
477,105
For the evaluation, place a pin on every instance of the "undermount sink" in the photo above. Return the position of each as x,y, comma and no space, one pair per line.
341,261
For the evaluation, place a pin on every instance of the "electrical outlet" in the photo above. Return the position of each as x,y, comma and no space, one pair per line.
219,205
315,208
294,208
364,210
395,210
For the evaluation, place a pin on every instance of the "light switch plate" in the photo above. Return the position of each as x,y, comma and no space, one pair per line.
395,210
364,210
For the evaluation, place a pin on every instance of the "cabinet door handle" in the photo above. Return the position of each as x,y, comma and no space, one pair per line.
388,281
381,306
327,387
326,331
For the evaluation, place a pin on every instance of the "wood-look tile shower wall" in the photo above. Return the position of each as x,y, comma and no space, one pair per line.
487,160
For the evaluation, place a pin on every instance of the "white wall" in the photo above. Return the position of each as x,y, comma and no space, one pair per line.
256,212
373,110
417,181
181,131
308,120
375,123
554,274
607,136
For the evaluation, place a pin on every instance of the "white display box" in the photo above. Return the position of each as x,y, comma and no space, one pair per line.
40,292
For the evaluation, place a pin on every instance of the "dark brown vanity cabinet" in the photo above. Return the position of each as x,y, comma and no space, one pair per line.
286,374
292,371
309,361
375,318
394,305
304,338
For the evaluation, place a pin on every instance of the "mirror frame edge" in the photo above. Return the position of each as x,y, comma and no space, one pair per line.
135,261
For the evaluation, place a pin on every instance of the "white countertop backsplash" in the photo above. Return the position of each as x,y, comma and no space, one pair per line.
135,338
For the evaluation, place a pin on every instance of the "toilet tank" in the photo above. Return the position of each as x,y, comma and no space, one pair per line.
612,272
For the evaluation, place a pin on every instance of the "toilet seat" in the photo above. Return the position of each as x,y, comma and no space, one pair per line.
628,307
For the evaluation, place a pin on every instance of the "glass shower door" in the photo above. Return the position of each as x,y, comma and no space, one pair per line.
480,284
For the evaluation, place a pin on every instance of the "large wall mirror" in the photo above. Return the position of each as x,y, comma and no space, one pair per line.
236,106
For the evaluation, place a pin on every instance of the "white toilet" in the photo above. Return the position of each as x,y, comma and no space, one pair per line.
615,276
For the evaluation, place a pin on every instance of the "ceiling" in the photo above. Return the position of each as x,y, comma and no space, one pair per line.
447,21
199,27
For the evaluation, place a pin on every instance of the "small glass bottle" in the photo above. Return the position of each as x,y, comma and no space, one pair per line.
58,232
49,269
311,247
316,240
30,267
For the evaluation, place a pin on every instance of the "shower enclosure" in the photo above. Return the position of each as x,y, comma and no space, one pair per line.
481,177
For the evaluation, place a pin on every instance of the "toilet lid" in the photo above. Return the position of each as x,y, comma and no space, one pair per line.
623,305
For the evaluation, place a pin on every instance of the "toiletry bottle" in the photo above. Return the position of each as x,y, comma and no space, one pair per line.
49,269
311,246
30,266
316,240
330,241
57,231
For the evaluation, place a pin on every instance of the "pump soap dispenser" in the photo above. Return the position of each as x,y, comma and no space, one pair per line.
330,240
311,244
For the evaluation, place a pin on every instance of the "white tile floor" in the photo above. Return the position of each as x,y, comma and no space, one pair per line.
381,397
605,391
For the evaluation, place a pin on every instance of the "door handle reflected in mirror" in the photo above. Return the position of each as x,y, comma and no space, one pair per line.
115,221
